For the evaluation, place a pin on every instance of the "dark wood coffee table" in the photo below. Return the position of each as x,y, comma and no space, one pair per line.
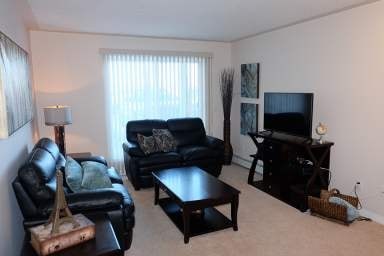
192,195
104,244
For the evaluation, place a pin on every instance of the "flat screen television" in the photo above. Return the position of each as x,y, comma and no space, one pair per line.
289,113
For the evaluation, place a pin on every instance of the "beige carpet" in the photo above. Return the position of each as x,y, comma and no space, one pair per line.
266,227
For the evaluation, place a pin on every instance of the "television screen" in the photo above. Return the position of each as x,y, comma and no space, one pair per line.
289,113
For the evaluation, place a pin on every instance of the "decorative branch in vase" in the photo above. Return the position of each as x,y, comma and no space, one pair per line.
226,88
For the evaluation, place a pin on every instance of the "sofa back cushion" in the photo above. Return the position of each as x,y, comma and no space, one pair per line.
50,146
143,127
187,131
38,175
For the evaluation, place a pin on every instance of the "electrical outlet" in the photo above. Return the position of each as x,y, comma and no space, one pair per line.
357,188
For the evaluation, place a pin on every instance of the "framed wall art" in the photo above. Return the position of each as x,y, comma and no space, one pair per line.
249,113
16,104
250,80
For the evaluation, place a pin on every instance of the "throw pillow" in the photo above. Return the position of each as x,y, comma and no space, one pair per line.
73,174
164,140
147,144
352,212
95,176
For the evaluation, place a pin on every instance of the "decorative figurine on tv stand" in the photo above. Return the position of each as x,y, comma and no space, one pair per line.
63,229
321,130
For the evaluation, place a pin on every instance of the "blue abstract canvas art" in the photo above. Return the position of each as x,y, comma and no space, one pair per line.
248,118
250,80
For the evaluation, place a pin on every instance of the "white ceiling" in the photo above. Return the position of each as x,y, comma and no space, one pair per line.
219,20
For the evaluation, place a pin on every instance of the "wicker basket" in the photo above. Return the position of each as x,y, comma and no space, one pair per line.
323,208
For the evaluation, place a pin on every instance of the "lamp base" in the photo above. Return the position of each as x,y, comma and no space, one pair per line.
60,138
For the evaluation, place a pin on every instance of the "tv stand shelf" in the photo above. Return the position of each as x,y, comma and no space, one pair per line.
293,166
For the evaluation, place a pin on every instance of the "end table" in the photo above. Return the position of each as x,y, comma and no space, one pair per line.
104,244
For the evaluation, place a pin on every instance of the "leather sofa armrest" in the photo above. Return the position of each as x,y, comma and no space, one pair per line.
114,176
133,149
27,206
98,159
95,200
214,143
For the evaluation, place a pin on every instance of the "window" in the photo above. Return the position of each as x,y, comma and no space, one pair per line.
152,86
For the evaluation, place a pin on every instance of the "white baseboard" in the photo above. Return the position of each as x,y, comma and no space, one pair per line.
372,215
241,161
247,163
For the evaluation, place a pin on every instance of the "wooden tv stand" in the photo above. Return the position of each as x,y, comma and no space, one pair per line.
293,167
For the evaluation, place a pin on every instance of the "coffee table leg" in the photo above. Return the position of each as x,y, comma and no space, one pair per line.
234,208
186,220
156,193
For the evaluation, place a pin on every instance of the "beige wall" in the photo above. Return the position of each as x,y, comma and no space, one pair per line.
340,58
68,69
13,150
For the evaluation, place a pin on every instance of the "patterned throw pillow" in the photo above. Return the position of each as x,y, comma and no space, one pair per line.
164,140
95,176
147,144
73,174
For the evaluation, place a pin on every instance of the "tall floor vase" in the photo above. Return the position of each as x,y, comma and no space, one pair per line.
228,151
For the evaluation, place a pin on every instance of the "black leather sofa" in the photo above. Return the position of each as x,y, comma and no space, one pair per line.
35,188
194,148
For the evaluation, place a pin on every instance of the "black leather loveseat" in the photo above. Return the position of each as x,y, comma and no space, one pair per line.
194,148
35,188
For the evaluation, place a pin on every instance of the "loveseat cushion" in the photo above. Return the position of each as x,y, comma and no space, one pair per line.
73,174
164,140
197,152
187,131
143,127
147,144
95,176
160,158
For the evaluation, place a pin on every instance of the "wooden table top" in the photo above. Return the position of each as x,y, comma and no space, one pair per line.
191,184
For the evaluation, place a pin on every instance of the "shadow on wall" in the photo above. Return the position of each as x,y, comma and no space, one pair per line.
11,220
88,130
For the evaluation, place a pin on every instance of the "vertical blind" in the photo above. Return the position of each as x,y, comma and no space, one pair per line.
152,86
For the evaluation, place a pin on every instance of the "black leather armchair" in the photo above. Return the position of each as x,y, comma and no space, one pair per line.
35,188
194,148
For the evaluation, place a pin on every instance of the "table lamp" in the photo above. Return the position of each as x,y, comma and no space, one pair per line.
58,116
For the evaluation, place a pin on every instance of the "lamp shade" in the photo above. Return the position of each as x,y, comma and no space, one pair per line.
57,115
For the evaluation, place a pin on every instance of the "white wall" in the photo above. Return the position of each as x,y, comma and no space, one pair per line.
340,58
13,150
68,70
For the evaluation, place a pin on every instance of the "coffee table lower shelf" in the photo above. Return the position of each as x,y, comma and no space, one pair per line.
212,220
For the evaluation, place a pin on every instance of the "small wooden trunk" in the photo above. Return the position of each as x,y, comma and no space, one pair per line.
46,243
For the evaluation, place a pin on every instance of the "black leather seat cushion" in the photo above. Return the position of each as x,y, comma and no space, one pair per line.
197,152
160,158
